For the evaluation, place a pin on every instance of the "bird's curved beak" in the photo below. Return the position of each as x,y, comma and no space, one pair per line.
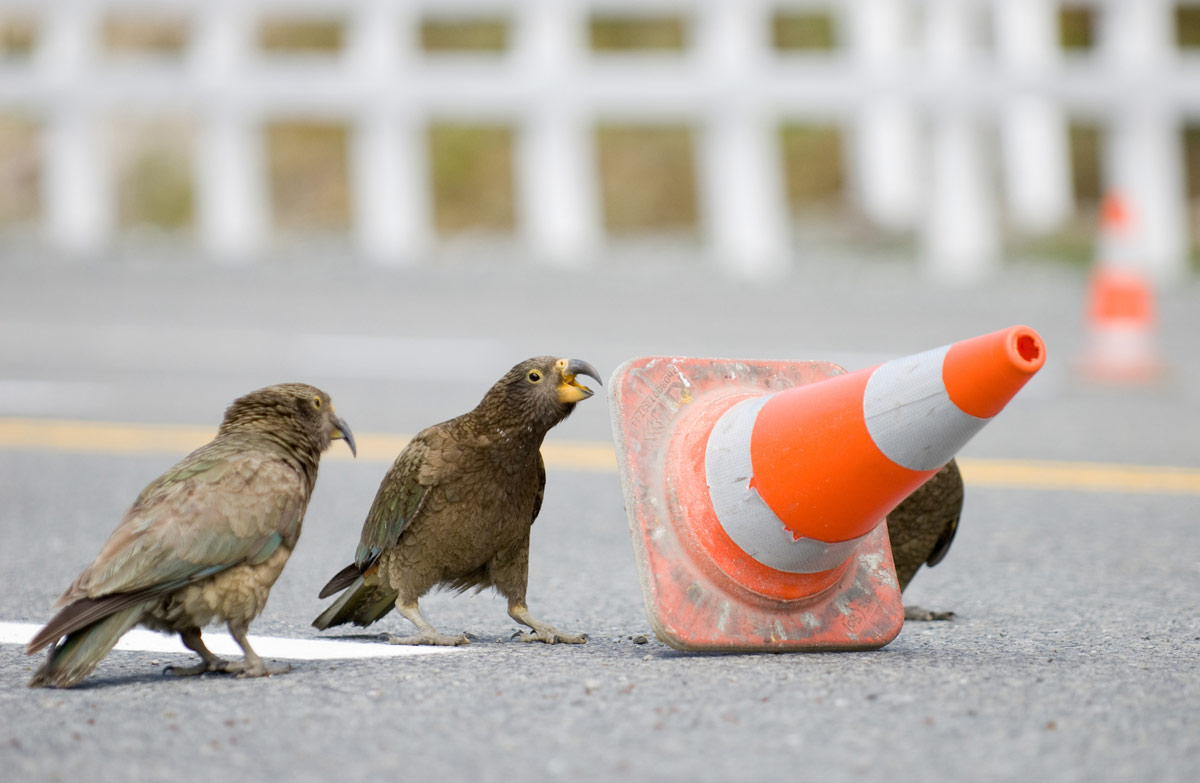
342,431
571,390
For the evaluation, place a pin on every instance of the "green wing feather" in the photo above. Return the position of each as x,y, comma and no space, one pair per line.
427,460
220,506
541,491
430,458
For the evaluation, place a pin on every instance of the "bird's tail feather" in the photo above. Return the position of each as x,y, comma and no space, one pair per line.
361,604
82,613
341,580
72,659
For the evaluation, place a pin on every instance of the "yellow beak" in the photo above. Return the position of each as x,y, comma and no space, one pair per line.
571,390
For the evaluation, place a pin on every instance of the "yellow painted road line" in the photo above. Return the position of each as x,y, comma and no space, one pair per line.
1080,476
89,437
96,437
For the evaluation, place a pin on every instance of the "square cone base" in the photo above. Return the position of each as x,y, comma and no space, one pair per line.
691,602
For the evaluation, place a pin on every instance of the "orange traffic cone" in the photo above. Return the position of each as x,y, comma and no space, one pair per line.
1121,344
755,489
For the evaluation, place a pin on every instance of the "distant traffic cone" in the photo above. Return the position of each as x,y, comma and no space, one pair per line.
756,490
1121,341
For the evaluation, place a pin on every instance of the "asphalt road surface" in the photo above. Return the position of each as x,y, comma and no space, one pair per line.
1075,575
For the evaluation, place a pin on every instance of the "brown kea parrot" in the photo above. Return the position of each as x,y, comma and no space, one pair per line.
922,528
457,506
204,542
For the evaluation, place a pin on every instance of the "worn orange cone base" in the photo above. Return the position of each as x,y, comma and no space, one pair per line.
697,597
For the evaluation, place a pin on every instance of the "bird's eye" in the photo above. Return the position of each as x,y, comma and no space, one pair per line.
316,402
534,376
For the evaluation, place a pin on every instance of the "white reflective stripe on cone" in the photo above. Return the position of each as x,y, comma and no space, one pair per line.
910,416
743,514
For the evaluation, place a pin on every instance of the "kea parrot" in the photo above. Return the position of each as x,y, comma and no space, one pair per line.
922,528
203,542
456,508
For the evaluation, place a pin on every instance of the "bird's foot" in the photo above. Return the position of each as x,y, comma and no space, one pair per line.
204,667
551,636
924,615
434,638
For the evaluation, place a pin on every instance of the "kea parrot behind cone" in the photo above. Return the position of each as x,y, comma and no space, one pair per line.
922,528
457,505
202,543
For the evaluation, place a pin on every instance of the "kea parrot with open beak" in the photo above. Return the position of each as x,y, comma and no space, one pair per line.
457,506
203,543
922,528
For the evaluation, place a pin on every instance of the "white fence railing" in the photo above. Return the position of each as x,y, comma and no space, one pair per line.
913,89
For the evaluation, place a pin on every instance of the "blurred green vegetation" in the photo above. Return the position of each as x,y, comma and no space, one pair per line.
1187,26
136,35
1191,158
1087,177
813,164
611,33
308,177
1191,163
811,30
18,35
473,182
1075,242
1077,27
154,174
647,178
464,35
20,183
285,35
156,191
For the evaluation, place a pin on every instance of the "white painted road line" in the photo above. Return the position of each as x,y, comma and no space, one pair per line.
220,643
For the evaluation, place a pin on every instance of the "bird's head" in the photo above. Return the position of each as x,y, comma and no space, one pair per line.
543,390
296,413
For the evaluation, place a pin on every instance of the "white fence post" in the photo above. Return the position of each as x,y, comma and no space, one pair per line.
388,171
960,242
1033,126
557,199
743,200
79,198
230,170
884,171
1144,154
953,95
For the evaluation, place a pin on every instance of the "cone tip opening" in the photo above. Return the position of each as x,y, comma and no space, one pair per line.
1026,349
983,373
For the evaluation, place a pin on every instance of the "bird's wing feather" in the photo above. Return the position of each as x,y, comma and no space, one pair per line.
952,511
943,544
430,458
219,507
541,489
